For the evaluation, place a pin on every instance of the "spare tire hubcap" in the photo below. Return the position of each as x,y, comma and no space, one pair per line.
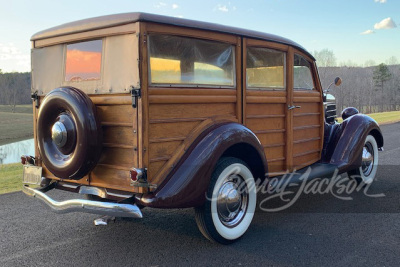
59,134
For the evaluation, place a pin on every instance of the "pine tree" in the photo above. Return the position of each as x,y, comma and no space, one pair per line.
381,74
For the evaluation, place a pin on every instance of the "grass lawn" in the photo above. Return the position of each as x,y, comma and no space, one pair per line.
386,117
18,109
15,127
10,177
383,117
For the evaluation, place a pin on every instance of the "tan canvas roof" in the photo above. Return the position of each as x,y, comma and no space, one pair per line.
126,18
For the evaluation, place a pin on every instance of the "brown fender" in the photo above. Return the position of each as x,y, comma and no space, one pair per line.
187,183
344,145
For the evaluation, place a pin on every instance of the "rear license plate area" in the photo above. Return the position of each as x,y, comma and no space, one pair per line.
32,175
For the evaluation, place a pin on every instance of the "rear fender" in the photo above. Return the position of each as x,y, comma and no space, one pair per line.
188,182
347,141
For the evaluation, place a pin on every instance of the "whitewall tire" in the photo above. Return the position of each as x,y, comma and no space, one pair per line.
366,173
231,202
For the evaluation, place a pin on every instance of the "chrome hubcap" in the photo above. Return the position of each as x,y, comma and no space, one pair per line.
59,134
367,159
232,201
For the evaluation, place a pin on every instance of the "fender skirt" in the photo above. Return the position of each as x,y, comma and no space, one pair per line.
344,142
186,185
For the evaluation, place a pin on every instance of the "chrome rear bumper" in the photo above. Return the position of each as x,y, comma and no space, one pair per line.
87,206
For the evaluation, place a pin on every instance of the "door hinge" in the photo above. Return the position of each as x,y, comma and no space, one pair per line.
135,93
35,98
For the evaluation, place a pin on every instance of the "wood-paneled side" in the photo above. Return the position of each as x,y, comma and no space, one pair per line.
265,116
175,116
118,136
306,128
276,167
110,176
120,153
172,117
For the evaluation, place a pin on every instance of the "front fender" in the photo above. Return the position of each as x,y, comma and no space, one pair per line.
348,141
188,182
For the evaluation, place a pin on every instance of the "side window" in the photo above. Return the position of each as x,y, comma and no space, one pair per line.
265,69
302,74
175,60
83,61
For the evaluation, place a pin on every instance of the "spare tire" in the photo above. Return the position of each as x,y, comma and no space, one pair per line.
69,133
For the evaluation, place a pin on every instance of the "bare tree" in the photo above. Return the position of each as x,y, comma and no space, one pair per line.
325,58
369,63
392,61
15,88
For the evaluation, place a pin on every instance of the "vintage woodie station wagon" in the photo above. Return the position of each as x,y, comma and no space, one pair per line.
138,110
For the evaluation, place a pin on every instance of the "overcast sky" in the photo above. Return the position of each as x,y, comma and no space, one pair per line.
355,30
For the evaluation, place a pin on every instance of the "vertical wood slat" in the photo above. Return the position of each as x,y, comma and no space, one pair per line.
289,113
244,81
321,108
35,115
239,85
143,112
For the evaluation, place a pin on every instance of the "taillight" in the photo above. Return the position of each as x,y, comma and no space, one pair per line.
136,174
25,159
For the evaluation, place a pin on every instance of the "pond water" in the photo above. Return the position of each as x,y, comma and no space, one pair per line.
11,153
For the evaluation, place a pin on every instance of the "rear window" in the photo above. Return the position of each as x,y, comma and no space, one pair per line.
83,61
179,60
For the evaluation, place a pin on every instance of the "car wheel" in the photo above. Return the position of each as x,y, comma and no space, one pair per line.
367,171
230,204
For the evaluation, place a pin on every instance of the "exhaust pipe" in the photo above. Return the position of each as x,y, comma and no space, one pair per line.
87,206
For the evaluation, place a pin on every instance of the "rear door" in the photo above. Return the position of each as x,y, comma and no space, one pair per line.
265,99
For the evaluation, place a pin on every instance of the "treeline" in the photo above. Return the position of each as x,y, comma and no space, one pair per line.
15,88
369,89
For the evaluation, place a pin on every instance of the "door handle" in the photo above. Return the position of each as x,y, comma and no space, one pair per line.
293,107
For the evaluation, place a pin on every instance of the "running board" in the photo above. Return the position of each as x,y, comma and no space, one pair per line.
87,206
316,170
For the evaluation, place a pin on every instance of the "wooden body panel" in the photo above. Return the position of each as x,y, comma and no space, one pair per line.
266,118
173,119
119,155
167,120
177,115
